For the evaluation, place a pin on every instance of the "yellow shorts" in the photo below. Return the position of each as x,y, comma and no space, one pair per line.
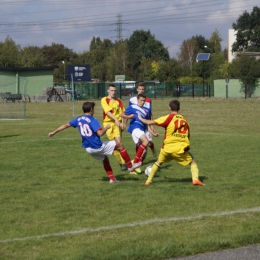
183,159
112,132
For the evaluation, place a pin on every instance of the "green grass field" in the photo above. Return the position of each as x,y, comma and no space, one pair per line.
56,202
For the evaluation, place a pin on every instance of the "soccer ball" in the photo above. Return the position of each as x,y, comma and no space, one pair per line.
148,170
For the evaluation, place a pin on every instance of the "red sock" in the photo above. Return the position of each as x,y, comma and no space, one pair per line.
126,157
108,170
139,153
136,147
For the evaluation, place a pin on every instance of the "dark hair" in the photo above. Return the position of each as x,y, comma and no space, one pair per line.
174,105
141,95
140,84
111,85
88,106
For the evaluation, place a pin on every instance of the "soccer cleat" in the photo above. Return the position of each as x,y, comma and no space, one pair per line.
113,181
198,182
134,166
147,183
133,172
137,170
154,153
123,167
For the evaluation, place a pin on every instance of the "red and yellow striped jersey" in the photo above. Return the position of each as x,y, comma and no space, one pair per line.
115,106
177,132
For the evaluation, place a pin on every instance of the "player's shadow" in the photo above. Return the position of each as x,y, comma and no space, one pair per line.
8,136
125,177
150,161
202,178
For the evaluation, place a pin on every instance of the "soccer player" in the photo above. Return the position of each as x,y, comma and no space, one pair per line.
137,128
112,108
176,142
90,131
147,105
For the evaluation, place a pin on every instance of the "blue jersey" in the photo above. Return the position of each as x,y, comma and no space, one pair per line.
88,127
147,105
135,122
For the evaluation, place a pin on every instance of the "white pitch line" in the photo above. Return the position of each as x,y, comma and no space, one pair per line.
134,224
39,140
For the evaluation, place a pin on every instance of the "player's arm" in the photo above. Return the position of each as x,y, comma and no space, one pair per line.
123,115
125,119
107,110
152,131
114,118
151,127
146,121
102,131
124,122
62,127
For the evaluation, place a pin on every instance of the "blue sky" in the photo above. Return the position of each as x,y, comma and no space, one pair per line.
74,23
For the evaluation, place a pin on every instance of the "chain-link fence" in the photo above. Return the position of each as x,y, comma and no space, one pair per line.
13,96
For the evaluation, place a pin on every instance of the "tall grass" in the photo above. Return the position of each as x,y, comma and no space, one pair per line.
56,202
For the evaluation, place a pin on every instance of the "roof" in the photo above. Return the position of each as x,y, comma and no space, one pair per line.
30,68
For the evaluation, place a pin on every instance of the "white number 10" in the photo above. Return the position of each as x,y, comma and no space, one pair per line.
85,130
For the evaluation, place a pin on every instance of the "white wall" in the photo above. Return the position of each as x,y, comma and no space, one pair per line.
231,40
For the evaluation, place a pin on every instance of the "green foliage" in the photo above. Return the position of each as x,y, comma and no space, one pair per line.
247,30
56,198
215,42
202,68
32,56
223,70
143,50
55,53
97,59
186,79
169,71
198,44
9,53
247,70
201,41
188,54
218,65
117,61
95,43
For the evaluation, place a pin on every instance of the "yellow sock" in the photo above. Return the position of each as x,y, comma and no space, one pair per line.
194,171
153,171
118,157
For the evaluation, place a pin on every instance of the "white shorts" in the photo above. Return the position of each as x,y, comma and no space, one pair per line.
137,133
107,148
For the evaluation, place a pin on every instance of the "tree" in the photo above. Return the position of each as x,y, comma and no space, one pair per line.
95,43
201,41
32,56
117,61
10,53
169,71
215,42
189,51
143,50
97,59
247,70
55,53
247,30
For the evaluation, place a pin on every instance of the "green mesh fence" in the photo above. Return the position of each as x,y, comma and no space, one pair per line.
13,96
153,89
189,90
